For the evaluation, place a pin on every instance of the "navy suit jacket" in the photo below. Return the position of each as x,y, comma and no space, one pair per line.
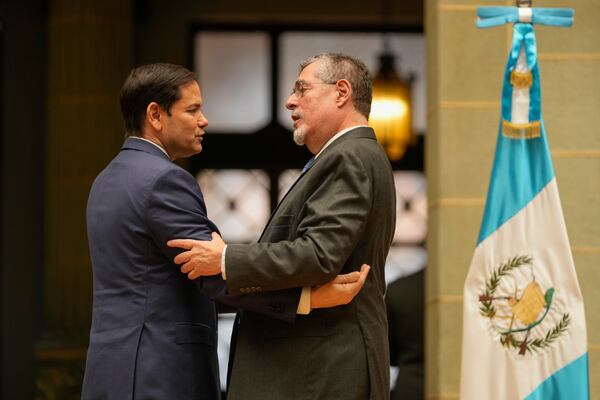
153,333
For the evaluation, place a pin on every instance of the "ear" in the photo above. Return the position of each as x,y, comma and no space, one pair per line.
344,90
154,116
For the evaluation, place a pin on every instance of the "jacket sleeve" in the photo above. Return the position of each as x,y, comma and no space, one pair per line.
326,231
176,209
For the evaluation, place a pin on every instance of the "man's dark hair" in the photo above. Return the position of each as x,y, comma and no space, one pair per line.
159,83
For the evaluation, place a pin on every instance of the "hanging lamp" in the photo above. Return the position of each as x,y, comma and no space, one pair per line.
391,108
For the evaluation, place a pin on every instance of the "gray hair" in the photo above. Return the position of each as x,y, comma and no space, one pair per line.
335,66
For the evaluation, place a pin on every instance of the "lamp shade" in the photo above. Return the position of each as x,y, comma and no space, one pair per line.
391,109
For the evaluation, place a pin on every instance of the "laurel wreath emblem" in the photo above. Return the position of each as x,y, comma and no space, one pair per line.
528,310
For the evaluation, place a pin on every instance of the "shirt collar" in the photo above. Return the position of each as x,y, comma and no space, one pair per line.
150,141
338,135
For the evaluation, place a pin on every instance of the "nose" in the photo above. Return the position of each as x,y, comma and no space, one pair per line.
202,121
292,102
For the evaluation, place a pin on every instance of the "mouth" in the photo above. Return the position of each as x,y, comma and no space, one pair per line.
296,118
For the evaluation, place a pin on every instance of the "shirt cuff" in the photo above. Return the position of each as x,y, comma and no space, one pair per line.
304,304
223,274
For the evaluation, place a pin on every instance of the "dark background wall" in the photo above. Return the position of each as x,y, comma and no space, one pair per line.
23,127
162,30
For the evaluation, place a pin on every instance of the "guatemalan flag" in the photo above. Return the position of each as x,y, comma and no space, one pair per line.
524,334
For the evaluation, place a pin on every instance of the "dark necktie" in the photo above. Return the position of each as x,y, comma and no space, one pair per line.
309,164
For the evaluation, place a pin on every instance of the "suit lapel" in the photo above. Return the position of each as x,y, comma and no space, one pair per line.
281,201
357,133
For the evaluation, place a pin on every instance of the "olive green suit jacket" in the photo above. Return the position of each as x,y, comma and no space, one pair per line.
338,215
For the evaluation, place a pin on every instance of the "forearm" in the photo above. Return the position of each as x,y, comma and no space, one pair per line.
281,304
273,268
276,266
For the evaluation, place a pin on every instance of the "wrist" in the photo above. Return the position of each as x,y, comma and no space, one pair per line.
222,266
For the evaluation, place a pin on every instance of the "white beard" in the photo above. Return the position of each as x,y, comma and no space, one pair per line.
299,136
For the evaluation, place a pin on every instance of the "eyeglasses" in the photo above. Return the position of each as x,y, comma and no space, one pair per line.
300,87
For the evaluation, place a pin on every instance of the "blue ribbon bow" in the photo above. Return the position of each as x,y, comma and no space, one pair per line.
495,16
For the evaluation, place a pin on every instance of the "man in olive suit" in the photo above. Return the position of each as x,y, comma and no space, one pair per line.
338,214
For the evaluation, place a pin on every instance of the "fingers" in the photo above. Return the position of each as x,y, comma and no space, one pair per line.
193,275
342,290
354,277
185,244
347,278
364,271
191,261
187,267
183,258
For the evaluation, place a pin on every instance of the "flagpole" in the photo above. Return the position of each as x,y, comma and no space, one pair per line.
524,333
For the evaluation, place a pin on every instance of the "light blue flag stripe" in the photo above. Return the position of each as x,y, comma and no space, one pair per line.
522,167
569,382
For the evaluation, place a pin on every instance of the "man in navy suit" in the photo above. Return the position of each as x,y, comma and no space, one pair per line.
153,333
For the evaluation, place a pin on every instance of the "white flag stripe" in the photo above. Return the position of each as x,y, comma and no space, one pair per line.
520,96
490,370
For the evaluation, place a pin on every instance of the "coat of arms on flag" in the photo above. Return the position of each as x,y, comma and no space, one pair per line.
524,332
515,304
